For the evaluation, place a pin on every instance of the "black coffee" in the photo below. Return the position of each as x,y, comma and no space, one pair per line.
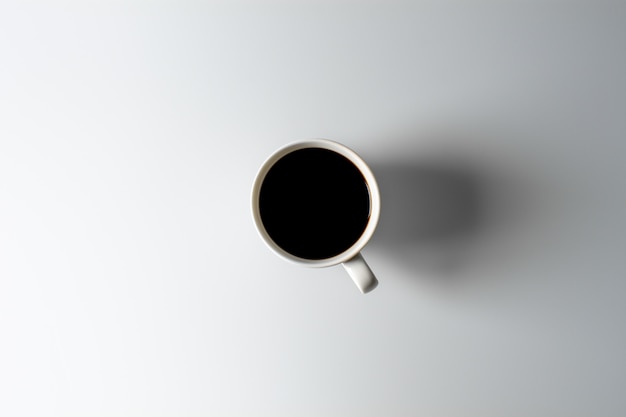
314,203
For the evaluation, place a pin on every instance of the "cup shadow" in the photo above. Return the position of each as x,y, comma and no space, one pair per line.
425,203
447,220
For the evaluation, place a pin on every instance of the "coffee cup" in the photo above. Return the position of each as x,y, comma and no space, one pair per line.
316,203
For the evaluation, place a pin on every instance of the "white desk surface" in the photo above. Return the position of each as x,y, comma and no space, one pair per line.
132,281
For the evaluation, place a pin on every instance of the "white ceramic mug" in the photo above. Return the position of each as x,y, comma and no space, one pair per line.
350,258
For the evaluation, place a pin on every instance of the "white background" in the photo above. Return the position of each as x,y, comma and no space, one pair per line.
132,281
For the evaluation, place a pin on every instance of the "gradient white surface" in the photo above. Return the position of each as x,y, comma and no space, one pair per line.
132,280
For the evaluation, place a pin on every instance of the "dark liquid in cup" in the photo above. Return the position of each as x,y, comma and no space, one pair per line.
314,203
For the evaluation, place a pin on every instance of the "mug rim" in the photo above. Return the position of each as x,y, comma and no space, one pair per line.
370,182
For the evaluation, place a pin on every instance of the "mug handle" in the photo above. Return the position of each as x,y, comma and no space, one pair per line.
361,273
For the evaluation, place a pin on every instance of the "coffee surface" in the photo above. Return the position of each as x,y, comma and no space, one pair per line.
314,203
